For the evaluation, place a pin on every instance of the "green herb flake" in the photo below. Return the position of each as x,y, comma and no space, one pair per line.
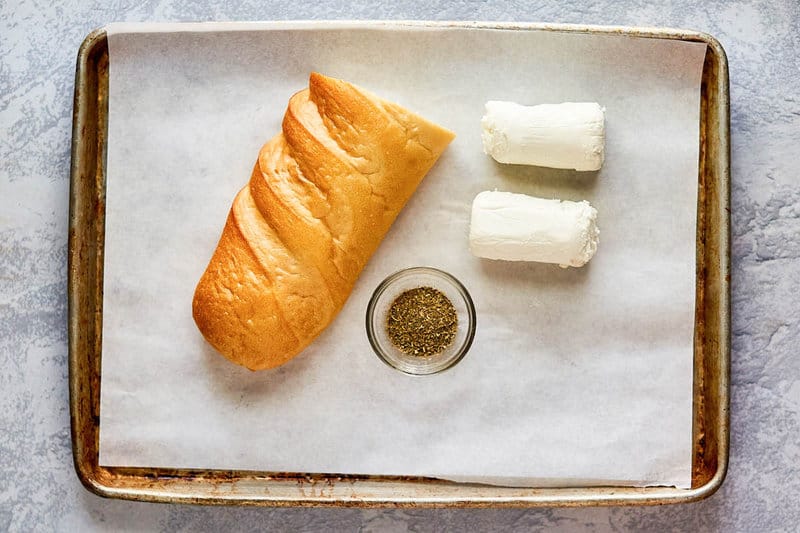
422,322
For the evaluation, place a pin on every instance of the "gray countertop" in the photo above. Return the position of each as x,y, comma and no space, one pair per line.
38,488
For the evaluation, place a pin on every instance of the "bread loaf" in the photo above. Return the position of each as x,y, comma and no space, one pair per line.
321,197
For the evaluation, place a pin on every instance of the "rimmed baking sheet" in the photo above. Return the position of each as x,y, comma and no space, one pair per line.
516,181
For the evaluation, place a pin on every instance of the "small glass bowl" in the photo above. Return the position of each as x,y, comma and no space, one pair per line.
411,278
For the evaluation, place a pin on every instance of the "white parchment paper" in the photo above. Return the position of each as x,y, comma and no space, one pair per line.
577,376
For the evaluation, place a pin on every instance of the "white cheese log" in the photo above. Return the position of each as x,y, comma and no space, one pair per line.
568,135
517,227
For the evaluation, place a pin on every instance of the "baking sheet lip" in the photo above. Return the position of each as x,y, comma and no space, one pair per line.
723,453
90,473
83,471
724,179
653,496
389,24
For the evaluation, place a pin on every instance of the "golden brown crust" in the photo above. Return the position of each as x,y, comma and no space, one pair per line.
321,197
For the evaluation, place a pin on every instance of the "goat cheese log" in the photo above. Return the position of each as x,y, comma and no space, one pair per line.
568,135
321,197
517,227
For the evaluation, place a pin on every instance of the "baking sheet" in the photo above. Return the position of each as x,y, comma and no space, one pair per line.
575,377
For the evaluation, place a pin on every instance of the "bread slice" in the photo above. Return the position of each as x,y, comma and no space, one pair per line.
322,195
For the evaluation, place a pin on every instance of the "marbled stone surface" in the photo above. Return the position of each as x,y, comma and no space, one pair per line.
38,488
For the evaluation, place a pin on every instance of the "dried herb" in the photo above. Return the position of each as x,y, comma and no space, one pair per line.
422,322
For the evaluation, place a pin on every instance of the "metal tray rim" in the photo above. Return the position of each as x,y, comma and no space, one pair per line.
98,482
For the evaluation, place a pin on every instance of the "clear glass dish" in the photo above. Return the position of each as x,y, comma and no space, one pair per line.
395,285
